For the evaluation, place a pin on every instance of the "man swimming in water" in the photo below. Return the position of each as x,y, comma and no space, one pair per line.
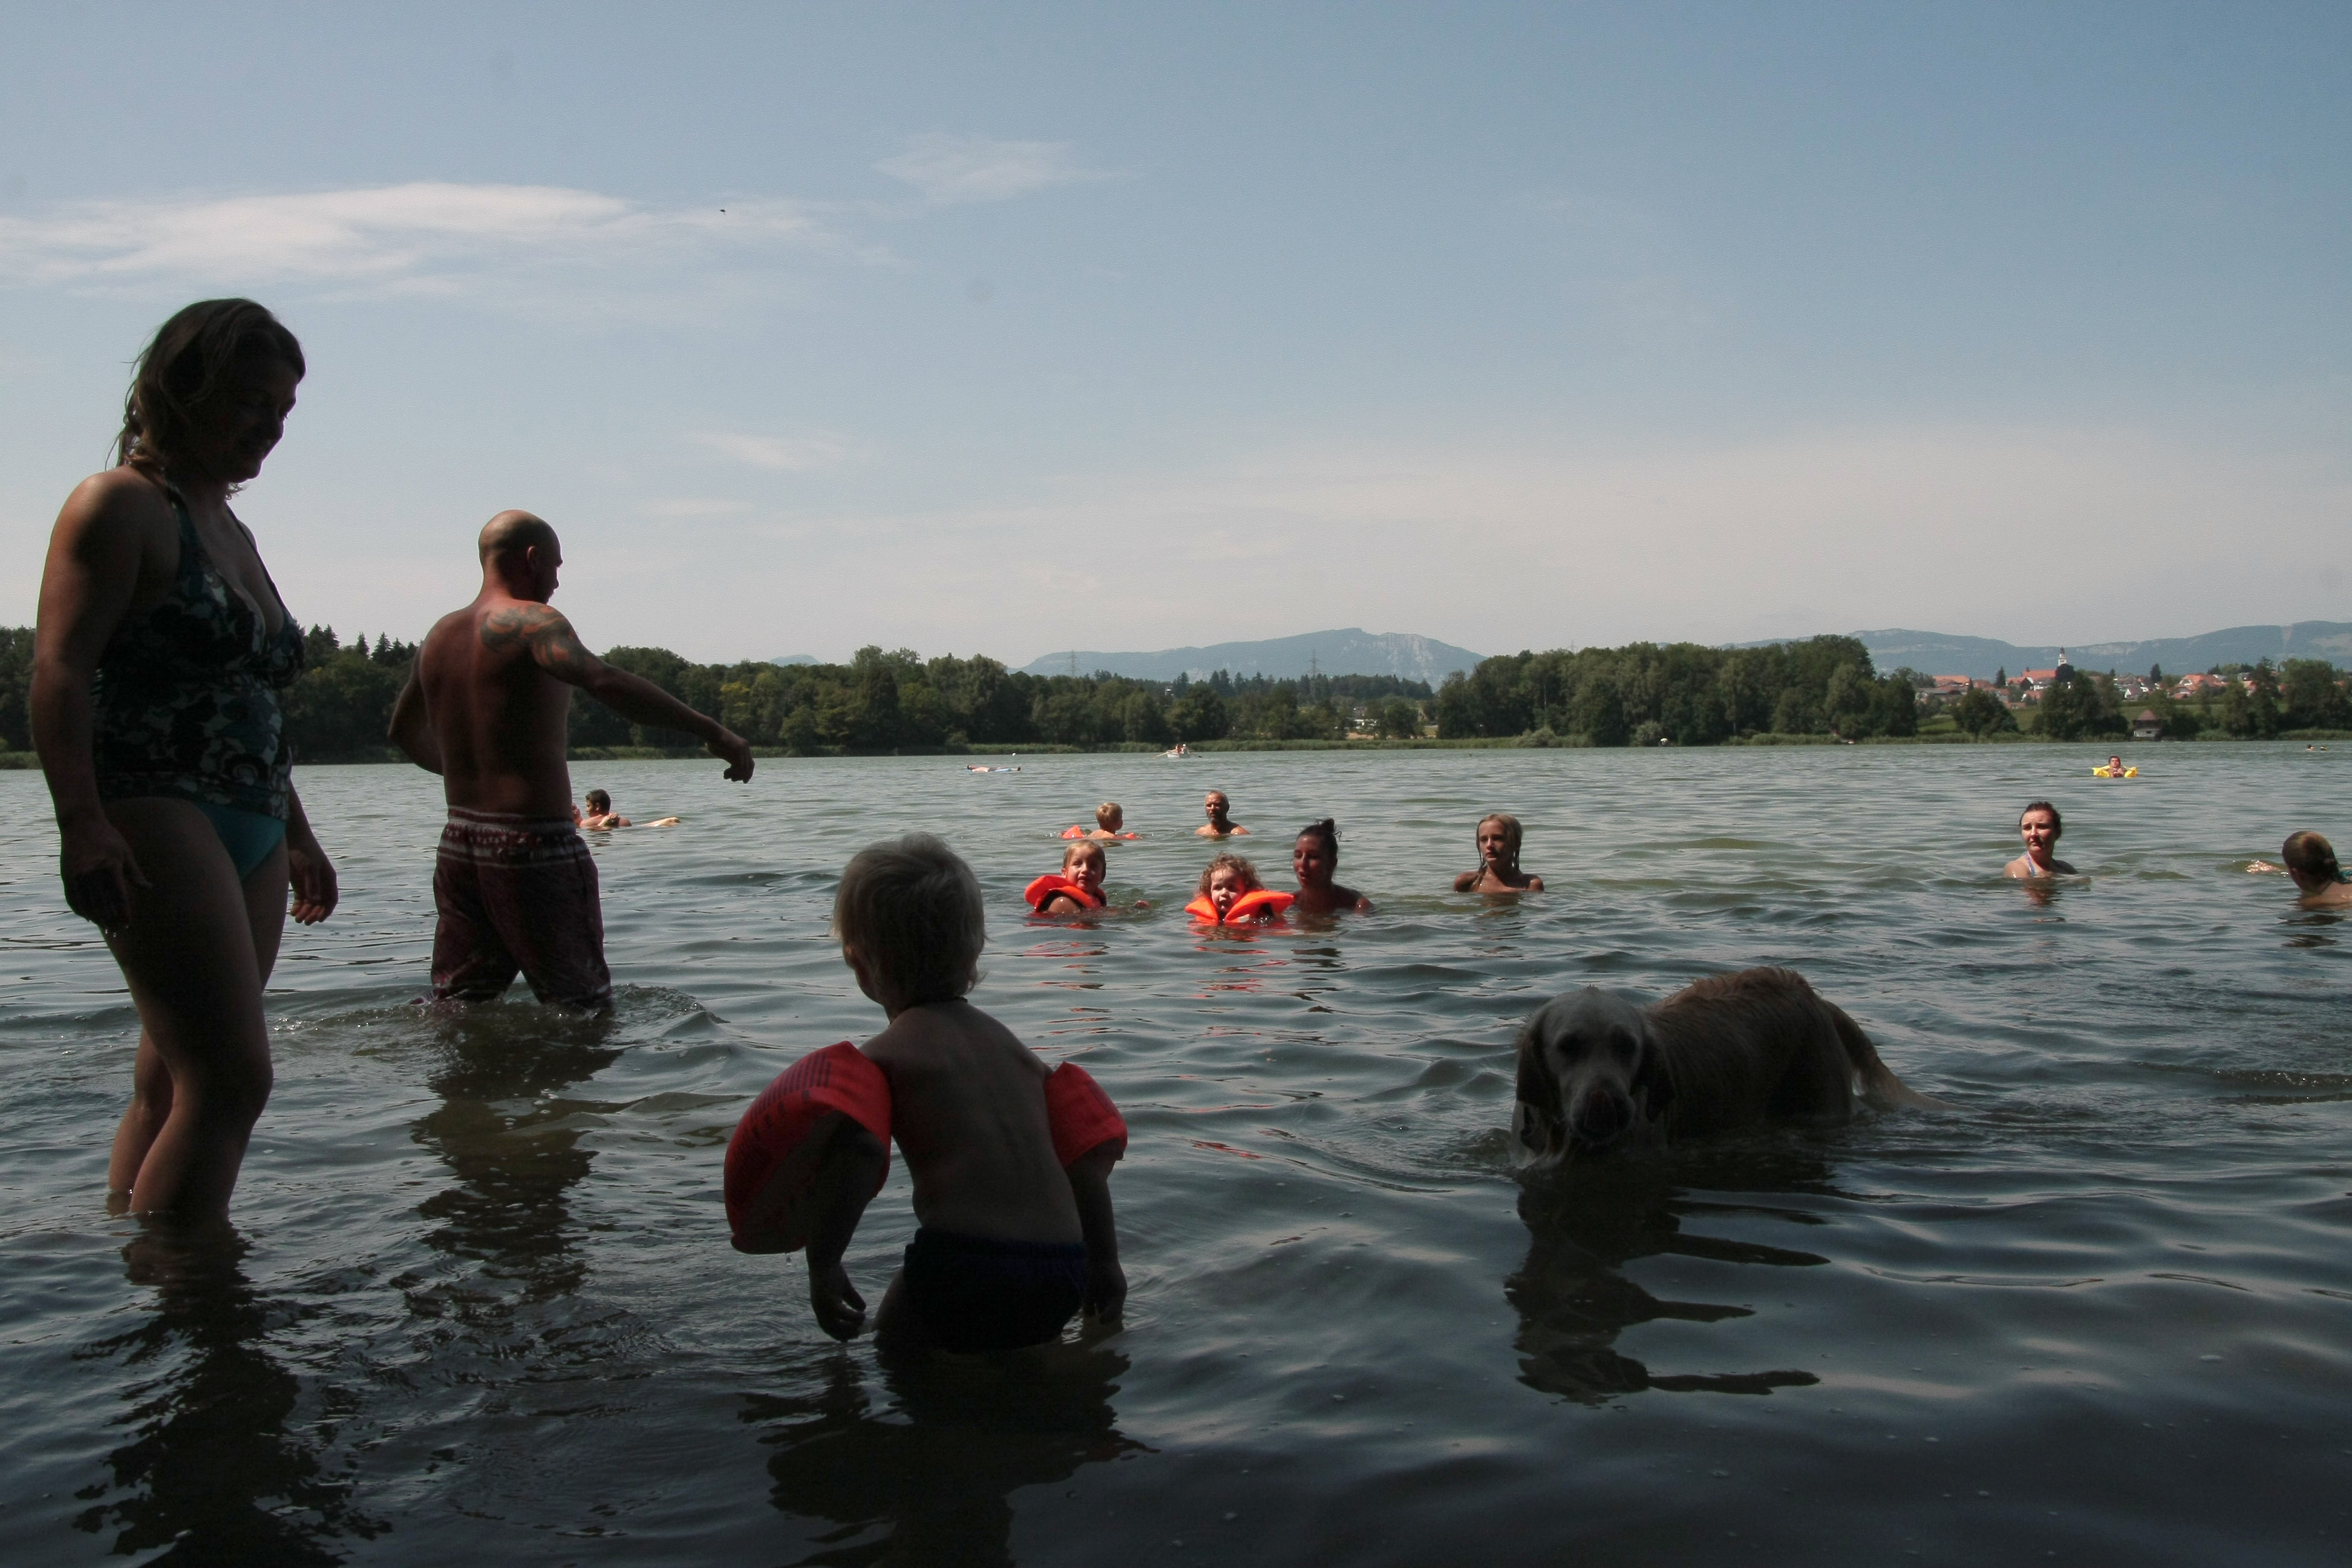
485,707
2040,827
1221,823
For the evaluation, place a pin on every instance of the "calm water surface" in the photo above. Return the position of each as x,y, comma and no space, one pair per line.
483,1308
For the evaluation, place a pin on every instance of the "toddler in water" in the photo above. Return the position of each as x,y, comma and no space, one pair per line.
1010,1243
1231,894
1079,887
1498,860
1109,815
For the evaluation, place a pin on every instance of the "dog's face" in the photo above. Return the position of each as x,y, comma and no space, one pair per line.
1589,1074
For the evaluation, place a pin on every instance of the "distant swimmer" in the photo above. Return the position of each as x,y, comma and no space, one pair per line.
2114,770
1231,894
600,815
485,707
1499,835
1221,823
1109,816
2311,861
2040,827
1314,858
1078,888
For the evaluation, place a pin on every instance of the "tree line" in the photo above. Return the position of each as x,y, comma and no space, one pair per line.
2260,703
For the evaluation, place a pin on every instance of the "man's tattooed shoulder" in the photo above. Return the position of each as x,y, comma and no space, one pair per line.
518,625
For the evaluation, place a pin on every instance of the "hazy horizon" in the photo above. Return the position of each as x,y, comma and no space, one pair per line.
1029,328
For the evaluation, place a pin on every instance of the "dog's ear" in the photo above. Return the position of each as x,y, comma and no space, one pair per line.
1536,1116
1652,1084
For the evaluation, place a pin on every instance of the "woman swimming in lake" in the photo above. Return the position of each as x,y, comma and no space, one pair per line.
1499,835
162,649
1314,858
2311,861
2040,827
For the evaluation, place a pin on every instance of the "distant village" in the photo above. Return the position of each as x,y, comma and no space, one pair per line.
2232,698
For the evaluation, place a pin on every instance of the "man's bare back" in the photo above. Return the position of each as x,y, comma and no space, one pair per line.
488,702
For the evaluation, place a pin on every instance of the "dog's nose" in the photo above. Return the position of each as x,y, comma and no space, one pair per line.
1602,1117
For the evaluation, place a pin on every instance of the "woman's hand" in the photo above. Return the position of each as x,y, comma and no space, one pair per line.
100,872
311,875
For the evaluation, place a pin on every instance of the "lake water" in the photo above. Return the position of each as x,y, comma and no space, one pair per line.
484,1309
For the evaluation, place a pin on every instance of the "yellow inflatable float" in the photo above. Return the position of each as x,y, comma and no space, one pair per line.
2104,772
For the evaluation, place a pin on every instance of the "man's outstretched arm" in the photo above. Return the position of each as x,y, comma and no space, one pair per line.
557,650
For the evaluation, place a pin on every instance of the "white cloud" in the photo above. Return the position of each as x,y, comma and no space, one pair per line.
791,454
957,168
423,237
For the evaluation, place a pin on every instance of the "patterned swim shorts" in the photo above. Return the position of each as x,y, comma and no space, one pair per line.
516,892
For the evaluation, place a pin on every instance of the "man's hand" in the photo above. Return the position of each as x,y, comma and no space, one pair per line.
840,1309
734,750
1105,1290
100,872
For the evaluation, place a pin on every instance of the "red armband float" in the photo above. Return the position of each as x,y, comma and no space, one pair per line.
1263,904
1080,1114
769,1161
1054,882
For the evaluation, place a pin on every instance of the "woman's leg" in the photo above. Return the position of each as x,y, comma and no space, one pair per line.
195,953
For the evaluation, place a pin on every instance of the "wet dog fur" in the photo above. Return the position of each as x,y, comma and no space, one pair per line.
1733,1050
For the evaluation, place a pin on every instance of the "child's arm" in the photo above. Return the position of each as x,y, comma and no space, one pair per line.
845,1180
1089,1176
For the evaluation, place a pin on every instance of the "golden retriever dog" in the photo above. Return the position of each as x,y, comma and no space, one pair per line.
1730,1051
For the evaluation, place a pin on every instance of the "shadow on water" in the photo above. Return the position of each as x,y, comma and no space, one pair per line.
213,1471
935,1462
1586,1222
512,1143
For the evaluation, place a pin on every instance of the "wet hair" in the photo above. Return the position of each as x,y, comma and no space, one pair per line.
2314,856
598,801
192,361
1327,831
1108,813
2057,823
1083,847
1513,833
911,910
1250,884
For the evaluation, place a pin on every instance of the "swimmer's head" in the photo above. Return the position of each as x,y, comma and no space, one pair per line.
1108,816
2311,860
599,802
1082,863
2057,825
1315,853
1499,835
1226,878
909,910
185,390
1216,804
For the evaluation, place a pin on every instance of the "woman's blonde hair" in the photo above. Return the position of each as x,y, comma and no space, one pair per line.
192,361
911,910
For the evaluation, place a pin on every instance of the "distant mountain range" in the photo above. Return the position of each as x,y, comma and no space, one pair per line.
1351,650
797,659
1940,653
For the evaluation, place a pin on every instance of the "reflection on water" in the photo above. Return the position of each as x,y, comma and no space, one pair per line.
932,1467
214,1471
1585,1222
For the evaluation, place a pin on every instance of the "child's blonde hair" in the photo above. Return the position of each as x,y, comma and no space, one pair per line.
1513,834
911,909
1250,884
1108,813
1082,846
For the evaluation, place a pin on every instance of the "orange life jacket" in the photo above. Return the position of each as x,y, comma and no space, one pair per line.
1042,890
1263,903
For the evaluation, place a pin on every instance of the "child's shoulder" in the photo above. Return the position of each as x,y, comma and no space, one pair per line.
940,1033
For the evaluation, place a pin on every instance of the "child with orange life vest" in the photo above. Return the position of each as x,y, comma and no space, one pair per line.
1078,887
1109,815
1011,1162
1231,895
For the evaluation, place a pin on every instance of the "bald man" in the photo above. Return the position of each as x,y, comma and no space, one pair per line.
486,707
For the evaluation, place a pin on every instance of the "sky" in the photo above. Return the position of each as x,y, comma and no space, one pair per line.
1012,328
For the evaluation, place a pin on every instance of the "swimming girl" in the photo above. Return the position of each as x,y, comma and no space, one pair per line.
162,649
1231,894
2038,826
1498,860
1109,815
2311,861
1077,889
1314,858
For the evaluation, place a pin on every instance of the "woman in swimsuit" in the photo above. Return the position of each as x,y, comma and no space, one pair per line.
162,648
1314,858
1499,835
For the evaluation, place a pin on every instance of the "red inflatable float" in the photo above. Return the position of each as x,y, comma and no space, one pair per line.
1262,905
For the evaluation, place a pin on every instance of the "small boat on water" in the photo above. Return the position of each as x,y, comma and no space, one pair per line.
1178,752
